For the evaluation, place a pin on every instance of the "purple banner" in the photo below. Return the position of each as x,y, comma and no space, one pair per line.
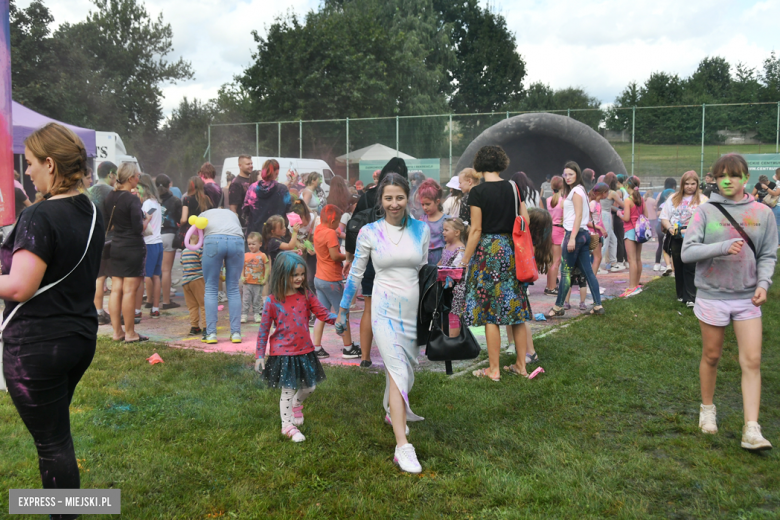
7,212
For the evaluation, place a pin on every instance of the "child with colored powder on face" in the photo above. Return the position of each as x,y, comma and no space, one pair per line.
257,269
328,282
733,241
291,363
275,238
429,194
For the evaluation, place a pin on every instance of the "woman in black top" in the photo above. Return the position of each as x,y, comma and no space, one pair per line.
493,293
171,207
126,222
50,341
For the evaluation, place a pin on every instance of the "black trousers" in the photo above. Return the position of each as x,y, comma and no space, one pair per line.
684,274
41,379
617,226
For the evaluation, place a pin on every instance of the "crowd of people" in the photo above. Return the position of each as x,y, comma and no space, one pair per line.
288,256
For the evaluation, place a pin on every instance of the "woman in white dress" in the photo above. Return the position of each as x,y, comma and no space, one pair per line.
398,247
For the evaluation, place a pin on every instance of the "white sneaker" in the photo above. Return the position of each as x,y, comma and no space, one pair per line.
235,337
751,438
406,459
222,297
258,317
602,271
602,290
617,268
389,421
243,318
657,267
707,416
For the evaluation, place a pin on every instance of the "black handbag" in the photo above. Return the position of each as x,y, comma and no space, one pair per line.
441,347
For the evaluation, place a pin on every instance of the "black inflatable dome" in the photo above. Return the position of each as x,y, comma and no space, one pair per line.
540,144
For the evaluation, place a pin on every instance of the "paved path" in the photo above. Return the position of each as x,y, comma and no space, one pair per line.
173,326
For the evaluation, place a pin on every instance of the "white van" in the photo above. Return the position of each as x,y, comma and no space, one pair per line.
302,166
111,148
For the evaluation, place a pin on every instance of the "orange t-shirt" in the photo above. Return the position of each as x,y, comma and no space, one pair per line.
255,268
327,269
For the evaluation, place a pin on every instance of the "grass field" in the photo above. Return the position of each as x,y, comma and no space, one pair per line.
659,160
609,431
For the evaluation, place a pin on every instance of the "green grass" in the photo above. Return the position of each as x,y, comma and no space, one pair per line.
660,160
608,431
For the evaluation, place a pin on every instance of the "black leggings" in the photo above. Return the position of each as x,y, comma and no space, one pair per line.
41,378
684,274
661,234
617,226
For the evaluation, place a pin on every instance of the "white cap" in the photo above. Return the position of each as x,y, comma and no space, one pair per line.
454,183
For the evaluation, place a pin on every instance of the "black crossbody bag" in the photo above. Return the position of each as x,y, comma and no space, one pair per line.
736,226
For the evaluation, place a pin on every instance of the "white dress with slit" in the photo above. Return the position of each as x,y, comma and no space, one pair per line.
397,254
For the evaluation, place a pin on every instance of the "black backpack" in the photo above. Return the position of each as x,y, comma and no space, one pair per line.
356,223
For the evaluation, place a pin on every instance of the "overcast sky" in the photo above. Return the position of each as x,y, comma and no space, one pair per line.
599,45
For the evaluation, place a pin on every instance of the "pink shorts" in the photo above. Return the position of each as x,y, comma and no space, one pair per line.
720,313
557,235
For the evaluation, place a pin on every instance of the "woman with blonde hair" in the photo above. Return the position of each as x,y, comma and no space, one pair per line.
675,216
49,339
311,193
467,179
127,254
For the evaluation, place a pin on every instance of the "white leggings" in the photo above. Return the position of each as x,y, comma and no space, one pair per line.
291,399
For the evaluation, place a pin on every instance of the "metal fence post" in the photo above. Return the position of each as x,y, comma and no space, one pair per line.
209,148
507,114
568,112
703,110
257,139
633,132
397,136
279,136
348,151
777,133
450,145
300,139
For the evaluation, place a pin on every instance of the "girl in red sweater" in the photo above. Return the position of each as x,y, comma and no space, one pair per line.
291,362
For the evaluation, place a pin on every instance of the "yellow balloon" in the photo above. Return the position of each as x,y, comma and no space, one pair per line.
201,222
192,219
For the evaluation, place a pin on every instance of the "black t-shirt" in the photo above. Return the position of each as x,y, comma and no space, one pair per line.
238,191
19,197
193,208
497,203
171,214
125,217
272,247
214,192
57,232
762,192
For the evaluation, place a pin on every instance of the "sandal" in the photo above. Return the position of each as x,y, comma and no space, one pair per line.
513,370
600,311
551,292
553,313
483,372
141,338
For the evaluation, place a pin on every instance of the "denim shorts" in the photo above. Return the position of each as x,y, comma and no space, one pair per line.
329,293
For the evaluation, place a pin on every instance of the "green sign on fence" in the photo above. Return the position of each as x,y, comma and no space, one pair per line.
429,167
761,164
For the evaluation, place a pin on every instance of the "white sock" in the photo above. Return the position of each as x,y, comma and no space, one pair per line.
137,311
317,348
155,309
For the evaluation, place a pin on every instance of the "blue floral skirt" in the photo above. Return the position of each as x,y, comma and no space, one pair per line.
493,293
303,371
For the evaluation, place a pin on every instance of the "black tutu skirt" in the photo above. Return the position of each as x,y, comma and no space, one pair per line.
303,371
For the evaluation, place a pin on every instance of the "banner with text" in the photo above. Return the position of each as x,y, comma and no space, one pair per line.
761,164
429,167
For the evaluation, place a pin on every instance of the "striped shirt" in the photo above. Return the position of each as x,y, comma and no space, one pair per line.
190,265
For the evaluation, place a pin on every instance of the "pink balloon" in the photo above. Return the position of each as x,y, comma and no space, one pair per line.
193,247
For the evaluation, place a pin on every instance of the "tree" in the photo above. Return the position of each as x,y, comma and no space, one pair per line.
541,97
488,72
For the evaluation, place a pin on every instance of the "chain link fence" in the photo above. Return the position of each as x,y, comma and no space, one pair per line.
653,142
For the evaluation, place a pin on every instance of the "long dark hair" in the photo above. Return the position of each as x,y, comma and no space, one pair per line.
393,179
339,194
541,225
633,182
571,165
525,184
197,189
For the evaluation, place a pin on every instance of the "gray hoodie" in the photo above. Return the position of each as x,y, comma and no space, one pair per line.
719,275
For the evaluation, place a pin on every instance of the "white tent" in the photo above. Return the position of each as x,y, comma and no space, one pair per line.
375,152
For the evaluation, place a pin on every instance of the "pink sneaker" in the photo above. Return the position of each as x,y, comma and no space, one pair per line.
292,432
